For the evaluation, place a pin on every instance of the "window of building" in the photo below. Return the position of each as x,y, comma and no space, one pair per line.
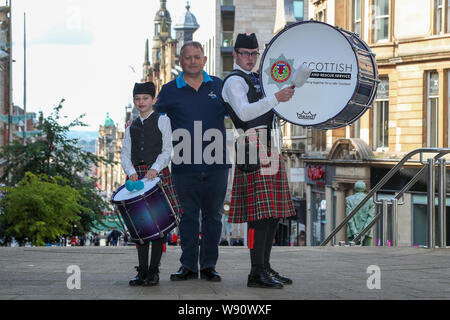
357,16
381,115
432,108
438,17
381,32
441,23
321,15
319,140
448,13
298,9
356,129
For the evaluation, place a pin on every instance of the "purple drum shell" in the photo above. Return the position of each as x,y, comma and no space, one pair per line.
147,212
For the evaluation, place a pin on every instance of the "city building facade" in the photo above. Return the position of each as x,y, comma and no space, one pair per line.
109,145
411,42
6,108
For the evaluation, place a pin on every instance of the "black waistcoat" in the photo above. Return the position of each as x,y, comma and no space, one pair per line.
253,95
146,140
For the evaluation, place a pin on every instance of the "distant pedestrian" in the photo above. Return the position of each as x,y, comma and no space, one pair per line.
74,242
114,236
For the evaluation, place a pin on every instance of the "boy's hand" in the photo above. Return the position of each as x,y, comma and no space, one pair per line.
151,174
134,177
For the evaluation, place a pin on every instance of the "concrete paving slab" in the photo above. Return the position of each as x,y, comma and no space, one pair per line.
319,273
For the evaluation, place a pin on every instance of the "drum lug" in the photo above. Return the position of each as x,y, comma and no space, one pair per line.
338,122
366,52
369,79
358,104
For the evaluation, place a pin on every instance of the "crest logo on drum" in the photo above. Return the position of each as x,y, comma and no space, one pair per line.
280,70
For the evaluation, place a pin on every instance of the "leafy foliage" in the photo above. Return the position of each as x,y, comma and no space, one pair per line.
53,154
40,209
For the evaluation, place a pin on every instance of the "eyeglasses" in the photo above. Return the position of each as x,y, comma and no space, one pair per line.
249,54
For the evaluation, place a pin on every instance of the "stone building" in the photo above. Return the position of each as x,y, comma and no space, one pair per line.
410,111
6,108
227,18
109,146
165,49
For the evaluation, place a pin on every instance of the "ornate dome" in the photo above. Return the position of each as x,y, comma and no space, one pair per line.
188,20
162,13
108,121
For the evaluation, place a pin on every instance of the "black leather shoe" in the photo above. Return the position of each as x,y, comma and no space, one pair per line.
278,277
263,280
210,274
139,279
152,278
183,274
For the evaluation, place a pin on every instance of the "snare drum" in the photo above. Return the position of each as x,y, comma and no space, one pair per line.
344,77
147,213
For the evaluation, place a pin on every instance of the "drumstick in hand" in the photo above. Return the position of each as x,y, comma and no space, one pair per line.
298,79
300,76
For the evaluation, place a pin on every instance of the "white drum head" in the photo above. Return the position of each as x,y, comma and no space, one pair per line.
328,53
124,194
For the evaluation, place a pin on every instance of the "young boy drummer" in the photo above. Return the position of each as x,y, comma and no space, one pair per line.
146,152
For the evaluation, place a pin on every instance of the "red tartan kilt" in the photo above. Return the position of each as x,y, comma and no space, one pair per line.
261,194
169,188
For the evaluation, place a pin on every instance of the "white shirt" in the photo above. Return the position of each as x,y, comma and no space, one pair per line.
163,158
235,91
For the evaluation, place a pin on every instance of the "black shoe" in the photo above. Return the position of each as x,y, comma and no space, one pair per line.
275,275
263,280
210,274
152,278
139,279
183,274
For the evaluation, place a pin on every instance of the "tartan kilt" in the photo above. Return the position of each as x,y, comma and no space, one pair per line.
169,189
263,193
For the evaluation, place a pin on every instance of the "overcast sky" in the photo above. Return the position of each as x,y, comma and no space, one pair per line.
85,52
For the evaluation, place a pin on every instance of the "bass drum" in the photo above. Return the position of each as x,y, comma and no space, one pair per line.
344,77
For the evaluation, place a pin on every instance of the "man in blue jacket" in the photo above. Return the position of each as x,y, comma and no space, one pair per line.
199,168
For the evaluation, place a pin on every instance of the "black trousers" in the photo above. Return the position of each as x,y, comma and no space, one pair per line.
155,259
261,234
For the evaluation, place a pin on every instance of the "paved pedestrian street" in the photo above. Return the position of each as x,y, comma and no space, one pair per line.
331,273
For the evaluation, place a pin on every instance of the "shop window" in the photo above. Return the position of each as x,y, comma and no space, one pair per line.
420,223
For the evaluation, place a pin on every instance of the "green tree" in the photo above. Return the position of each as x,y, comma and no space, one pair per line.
52,153
40,209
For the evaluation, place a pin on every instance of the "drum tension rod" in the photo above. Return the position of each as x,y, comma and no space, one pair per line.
132,223
161,234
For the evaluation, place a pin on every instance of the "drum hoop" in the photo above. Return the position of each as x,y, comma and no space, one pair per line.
270,45
134,199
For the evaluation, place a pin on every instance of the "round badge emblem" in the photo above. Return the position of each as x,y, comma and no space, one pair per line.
280,71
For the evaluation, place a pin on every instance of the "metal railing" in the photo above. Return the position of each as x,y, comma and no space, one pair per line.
428,166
